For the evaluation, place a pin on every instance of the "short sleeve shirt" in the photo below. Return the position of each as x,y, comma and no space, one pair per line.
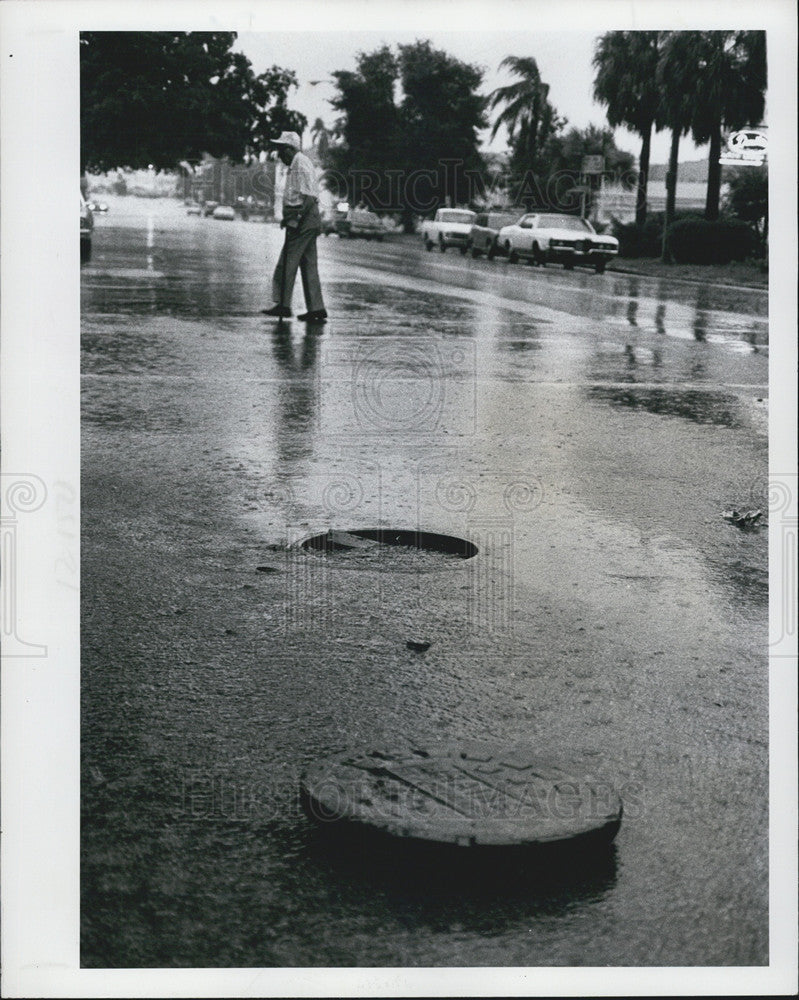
301,181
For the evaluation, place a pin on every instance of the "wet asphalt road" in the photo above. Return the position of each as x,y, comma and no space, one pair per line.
585,432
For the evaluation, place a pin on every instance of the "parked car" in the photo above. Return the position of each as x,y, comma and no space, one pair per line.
225,212
208,208
86,229
193,210
485,230
340,223
545,236
360,222
450,228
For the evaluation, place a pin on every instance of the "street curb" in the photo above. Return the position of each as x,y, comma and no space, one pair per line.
614,269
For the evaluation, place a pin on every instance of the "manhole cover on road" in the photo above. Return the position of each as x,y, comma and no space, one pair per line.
470,796
390,549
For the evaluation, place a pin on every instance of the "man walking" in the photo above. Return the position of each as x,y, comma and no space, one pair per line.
303,224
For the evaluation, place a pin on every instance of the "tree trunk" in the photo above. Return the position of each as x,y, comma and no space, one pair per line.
671,190
713,176
643,178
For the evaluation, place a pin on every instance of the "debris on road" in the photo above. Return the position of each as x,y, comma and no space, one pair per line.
743,519
420,646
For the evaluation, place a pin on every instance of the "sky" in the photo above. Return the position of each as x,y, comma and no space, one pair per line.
563,57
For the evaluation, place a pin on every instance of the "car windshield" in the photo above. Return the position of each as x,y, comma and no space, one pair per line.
564,222
456,216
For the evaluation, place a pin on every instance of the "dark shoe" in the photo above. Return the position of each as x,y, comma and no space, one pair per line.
319,316
282,311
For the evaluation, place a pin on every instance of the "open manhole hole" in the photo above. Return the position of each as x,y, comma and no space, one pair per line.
395,549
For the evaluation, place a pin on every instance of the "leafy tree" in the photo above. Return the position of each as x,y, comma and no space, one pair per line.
441,114
566,152
725,72
626,66
416,153
526,113
562,158
161,97
747,197
368,120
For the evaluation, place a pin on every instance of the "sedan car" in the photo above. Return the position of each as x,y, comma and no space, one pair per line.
567,239
360,222
86,229
485,230
449,228
225,212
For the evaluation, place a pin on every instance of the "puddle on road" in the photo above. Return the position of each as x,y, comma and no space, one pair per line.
746,580
124,351
521,346
700,407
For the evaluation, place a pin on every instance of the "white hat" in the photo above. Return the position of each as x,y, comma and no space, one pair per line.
287,139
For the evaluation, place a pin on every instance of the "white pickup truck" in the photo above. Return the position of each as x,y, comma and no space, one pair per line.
450,228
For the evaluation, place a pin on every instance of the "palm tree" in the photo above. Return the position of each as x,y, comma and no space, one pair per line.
675,77
728,70
626,64
320,136
527,114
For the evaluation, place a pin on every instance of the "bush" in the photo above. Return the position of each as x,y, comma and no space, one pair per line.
646,240
747,194
697,241
639,241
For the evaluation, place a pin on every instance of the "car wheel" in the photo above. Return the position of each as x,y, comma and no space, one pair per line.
442,246
599,267
513,257
85,250
492,251
538,257
428,245
475,253
568,265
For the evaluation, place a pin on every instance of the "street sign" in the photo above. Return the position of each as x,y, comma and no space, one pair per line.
593,164
745,148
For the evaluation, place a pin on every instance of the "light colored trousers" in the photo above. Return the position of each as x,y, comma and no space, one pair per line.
298,252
